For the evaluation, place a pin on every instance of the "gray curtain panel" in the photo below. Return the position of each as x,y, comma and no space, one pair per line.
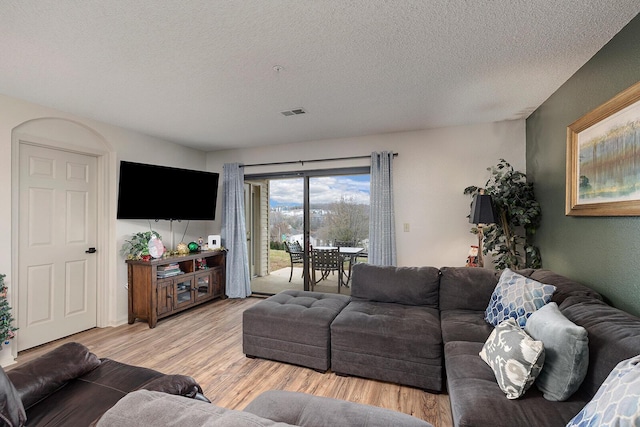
234,234
382,230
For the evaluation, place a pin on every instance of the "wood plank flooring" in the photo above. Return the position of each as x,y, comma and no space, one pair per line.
206,343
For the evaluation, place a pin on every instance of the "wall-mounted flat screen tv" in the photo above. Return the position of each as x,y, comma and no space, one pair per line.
161,192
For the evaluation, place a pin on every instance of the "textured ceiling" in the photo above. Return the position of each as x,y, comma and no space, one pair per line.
201,72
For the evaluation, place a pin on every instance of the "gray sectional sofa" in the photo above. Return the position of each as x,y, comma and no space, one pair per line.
425,327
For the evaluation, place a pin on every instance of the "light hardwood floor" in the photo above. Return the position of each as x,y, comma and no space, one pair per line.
206,343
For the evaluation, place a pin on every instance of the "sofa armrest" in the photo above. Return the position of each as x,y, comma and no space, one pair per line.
40,377
303,409
180,385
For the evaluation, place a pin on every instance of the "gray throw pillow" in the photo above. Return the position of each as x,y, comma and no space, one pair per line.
566,347
515,358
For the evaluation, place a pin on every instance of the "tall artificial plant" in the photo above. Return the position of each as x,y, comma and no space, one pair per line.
518,214
6,319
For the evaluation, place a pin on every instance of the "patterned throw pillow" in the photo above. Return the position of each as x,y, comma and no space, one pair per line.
617,402
516,297
515,357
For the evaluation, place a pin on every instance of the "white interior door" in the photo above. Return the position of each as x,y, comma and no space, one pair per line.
57,228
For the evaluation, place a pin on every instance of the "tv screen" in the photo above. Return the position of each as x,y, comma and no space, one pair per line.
160,192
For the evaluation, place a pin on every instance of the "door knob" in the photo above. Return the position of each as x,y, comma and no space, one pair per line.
91,251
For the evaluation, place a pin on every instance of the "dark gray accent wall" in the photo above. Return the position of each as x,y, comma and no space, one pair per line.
601,252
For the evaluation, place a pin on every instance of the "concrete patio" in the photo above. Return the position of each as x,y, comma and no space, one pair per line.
279,281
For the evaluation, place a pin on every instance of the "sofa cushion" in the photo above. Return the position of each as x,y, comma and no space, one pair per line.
617,402
464,325
464,288
614,335
293,327
389,342
145,408
516,358
11,409
516,296
565,287
566,348
476,399
35,380
403,285
307,410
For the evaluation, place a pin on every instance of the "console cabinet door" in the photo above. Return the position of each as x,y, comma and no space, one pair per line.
165,296
183,292
217,279
203,288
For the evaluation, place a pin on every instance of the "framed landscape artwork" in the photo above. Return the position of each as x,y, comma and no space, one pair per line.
603,159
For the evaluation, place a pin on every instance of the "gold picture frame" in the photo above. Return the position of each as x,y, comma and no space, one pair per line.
603,159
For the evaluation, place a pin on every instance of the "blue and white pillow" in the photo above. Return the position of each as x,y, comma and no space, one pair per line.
516,297
617,402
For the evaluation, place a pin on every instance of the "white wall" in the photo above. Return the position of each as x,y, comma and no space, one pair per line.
430,173
120,144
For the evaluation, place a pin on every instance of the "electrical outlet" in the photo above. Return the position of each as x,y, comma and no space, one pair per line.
406,227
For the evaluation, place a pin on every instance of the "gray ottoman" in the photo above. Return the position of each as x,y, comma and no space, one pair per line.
292,327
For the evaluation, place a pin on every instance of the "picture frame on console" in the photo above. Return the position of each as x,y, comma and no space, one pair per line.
603,159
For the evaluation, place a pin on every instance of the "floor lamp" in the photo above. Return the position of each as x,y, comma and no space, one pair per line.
482,213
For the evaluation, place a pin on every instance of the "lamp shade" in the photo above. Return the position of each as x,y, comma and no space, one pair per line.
482,210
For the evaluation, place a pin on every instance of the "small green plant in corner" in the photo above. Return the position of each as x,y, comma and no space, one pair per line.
138,245
6,319
518,214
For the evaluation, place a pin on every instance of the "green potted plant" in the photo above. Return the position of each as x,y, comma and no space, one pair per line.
518,214
138,246
6,319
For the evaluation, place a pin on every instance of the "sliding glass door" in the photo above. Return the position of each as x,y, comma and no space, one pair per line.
301,211
339,209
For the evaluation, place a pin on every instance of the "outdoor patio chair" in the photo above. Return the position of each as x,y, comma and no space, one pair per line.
326,261
296,254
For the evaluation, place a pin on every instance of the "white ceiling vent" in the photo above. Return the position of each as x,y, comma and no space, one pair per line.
294,112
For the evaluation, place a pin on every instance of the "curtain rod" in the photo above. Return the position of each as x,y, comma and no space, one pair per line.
302,162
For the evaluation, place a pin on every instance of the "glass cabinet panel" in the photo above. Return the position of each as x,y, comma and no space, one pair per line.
183,292
203,285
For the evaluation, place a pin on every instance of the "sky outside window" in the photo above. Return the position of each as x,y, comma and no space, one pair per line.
328,189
